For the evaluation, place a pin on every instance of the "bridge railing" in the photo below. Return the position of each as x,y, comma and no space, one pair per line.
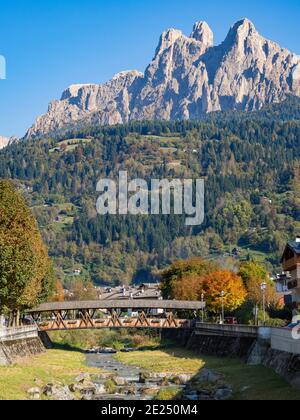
20,333
219,329
282,340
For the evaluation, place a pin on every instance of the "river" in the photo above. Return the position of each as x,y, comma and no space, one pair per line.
133,388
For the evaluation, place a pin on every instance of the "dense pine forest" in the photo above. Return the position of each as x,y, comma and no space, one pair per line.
250,163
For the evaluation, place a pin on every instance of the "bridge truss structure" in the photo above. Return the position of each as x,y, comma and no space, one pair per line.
148,314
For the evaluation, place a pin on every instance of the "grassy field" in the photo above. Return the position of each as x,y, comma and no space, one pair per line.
247,382
53,365
70,144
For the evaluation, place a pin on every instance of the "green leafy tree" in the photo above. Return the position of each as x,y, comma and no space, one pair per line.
26,273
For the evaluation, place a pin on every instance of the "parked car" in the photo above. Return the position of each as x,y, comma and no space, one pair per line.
27,321
293,325
231,320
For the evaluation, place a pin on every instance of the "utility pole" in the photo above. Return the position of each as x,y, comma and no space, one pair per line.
202,310
223,309
264,289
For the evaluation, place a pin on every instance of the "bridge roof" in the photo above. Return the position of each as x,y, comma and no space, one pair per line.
118,304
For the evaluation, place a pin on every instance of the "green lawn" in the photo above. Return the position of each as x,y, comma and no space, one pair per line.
53,365
248,382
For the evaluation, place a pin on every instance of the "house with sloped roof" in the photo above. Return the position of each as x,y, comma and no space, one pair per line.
291,265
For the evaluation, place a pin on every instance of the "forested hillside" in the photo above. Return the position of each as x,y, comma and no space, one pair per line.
250,163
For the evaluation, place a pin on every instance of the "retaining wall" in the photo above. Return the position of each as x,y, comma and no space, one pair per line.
19,342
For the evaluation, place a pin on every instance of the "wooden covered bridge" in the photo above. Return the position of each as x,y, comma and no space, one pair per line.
155,314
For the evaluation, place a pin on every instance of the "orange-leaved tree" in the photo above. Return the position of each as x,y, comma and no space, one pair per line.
58,293
223,281
188,288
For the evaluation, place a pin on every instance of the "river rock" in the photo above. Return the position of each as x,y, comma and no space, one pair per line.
130,390
83,377
107,350
181,379
151,392
223,394
58,393
207,376
163,383
51,388
100,389
154,377
104,376
144,377
86,387
205,395
34,393
119,381
191,396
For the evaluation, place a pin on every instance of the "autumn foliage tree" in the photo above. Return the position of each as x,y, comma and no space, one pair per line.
188,280
58,292
182,280
26,273
81,291
225,281
254,275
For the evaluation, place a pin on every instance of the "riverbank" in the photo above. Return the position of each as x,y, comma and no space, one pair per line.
57,365
63,365
246,382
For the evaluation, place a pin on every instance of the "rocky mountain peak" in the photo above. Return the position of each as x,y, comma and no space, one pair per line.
203,33
167,39
241,31
187,78
73,91
244,25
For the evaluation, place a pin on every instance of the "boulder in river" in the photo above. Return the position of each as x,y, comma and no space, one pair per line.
58,393
223,394
181,379
207,375
83,377
150,392
34,393
86,388
119,381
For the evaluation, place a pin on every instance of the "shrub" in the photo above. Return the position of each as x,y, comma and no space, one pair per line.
110,386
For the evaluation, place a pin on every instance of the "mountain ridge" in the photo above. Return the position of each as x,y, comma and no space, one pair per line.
188,77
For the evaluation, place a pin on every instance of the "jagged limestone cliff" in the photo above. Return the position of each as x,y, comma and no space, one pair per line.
187,78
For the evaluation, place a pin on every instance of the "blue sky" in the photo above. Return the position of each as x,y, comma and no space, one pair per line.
51,44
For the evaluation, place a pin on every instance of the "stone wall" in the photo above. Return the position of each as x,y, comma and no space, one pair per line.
18,343
10,351
285,364
252,350
221,345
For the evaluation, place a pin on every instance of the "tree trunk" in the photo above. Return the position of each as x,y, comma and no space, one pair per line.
18,320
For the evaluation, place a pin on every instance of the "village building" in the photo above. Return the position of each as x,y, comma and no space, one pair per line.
291,266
